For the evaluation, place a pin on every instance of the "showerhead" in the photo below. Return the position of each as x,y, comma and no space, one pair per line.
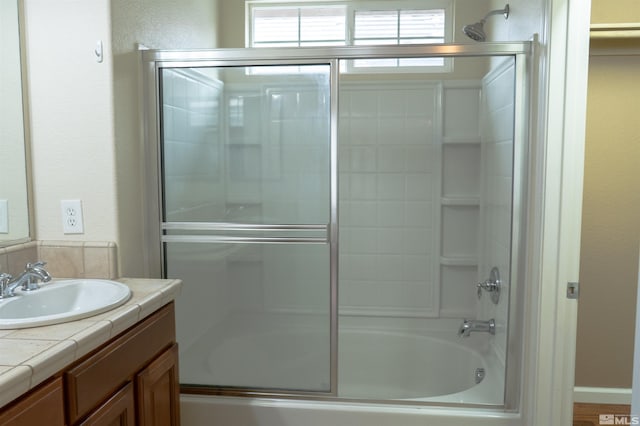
476,31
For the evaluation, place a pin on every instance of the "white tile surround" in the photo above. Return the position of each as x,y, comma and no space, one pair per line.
31,355
389,176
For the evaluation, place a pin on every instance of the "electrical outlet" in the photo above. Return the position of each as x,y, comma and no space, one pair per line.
72,216
4,217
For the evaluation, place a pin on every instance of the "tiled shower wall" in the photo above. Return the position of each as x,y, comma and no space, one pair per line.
389,162
278,172
410,172
409,176
194,184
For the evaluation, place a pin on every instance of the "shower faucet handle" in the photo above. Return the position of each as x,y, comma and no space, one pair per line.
491,285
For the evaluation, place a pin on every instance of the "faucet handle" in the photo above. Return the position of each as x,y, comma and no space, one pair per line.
4,282
38,264
491,285
33,272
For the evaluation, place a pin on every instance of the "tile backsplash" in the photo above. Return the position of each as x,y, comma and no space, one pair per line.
65,259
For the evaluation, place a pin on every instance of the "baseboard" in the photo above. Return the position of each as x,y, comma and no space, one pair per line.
590,395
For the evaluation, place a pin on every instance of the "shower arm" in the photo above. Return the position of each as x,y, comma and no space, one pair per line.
504,12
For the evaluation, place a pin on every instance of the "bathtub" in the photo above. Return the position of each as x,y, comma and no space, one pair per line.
385,377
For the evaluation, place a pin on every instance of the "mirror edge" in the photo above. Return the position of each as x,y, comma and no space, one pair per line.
26,124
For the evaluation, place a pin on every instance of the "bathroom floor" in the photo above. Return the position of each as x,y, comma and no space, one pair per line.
589,414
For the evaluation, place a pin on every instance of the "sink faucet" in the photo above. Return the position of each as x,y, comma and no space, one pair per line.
28,279
469,326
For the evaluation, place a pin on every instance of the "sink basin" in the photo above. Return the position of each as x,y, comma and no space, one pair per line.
61,301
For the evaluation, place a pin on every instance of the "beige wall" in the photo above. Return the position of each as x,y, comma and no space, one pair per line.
618,11
609,252
611,212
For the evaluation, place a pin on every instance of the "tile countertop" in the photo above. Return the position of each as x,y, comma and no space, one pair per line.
29,356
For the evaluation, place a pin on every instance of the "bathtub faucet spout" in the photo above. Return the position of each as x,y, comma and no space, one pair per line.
469,326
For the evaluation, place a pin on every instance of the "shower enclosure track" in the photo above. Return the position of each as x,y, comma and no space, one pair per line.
213,57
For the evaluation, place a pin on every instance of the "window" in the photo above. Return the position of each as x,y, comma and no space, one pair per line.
274,26
342,23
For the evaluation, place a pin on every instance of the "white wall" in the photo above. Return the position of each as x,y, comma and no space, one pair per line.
71,101
526,18
86,126
161,24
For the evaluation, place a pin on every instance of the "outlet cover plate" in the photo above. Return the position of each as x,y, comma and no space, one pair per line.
72,216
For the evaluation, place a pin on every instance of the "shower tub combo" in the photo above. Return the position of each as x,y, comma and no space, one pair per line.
335,227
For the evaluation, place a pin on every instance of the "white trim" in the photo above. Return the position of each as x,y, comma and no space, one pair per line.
554,232
590,395
635,394
609,31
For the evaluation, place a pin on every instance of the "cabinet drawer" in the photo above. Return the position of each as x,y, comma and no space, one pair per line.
42,406
98,377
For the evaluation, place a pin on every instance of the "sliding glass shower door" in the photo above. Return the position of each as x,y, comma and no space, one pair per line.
246,223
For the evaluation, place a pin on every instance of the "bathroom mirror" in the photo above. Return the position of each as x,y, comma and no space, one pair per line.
14,212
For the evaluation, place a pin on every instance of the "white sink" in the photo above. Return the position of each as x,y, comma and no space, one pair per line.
61,301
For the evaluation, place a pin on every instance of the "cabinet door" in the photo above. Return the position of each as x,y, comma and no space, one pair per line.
44,406
119,410
109,369
158,393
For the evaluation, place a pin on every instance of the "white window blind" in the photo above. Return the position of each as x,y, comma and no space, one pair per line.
299,26
416,26
351,23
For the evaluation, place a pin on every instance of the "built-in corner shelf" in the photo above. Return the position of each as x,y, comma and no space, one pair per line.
460,201
460,198
461,140
458,261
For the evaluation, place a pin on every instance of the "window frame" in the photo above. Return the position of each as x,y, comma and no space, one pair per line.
372,5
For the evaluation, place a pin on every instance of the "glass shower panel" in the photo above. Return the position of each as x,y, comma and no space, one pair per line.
253,315
246,212
426,197
246,144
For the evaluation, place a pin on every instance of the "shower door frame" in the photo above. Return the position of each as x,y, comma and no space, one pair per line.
155,60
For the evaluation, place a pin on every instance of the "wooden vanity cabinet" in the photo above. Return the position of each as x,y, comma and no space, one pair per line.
131,380
42,406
